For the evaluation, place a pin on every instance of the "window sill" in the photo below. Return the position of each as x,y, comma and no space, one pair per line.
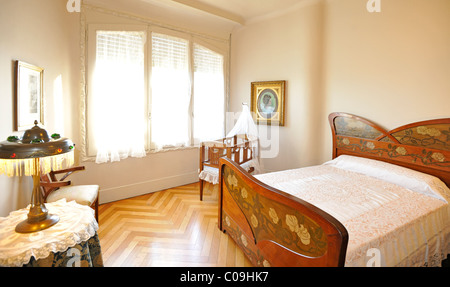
148,152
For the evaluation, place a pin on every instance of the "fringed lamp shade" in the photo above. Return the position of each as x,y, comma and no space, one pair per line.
34,154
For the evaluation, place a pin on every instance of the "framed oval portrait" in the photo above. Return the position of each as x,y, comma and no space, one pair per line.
267,102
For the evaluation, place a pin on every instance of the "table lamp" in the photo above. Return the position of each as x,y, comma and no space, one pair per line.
34,154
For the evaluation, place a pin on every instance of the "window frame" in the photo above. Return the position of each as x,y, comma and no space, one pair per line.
90,66
224,69
88,152
188,38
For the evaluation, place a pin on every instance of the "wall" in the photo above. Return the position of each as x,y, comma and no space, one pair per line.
391,67
288,48
44,34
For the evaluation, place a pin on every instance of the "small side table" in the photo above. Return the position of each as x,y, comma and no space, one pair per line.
73,241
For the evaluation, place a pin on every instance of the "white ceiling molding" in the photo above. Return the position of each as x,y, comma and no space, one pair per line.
239,12
213,10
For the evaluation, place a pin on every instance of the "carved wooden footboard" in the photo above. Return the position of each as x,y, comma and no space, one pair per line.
274,228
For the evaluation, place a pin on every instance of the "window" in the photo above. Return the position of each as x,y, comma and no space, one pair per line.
118,99
209,102
150,95
171,88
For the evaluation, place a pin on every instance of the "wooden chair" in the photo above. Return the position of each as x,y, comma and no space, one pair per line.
54,189
236,148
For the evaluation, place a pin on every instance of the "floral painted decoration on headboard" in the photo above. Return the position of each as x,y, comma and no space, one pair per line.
424,143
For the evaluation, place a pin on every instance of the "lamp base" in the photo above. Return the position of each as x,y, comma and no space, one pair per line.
28,226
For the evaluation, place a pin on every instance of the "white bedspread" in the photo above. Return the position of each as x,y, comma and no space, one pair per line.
388,224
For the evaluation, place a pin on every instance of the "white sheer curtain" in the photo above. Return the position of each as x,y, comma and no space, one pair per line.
118,100
209,94
185,99
171,90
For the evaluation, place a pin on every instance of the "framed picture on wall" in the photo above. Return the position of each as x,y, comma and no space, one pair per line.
267,102
28,95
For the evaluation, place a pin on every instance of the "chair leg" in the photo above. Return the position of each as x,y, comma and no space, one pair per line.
201,189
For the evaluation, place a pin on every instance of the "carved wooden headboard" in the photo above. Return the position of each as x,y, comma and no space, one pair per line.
422,146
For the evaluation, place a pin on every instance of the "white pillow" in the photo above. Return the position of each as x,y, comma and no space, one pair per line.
405,177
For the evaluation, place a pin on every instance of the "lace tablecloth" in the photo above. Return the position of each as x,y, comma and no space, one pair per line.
77,224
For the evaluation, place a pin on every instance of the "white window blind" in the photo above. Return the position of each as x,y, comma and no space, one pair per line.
208,94
170,85
169,93
116,106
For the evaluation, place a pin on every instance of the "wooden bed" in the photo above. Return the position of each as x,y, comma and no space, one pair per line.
265,221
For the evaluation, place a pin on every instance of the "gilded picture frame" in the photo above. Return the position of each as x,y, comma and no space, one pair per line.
28,95
268,102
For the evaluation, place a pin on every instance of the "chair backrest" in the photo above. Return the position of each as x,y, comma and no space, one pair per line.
46,190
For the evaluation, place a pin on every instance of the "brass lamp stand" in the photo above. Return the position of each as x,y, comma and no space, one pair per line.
34,153
38,216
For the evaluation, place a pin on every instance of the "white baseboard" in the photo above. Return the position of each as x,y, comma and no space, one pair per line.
145,187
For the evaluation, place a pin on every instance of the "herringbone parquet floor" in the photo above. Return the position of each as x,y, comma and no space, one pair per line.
166,228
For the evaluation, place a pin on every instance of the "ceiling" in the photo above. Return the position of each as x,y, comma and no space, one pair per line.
237,11
240,11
